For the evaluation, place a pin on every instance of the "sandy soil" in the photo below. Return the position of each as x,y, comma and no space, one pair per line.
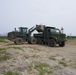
61,60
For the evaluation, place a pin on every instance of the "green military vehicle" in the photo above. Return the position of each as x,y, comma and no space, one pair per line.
46,35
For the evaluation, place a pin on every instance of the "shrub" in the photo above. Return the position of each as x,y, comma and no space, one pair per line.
11,73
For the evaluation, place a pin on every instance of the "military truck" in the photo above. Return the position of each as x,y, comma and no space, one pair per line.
46,35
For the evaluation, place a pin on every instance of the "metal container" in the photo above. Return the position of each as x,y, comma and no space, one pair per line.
40,28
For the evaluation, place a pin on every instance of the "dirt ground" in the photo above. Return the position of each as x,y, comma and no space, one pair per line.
26,59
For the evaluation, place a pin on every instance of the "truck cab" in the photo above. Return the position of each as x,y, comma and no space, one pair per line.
23,30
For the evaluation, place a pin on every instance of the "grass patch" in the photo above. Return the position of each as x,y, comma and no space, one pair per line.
35,56
52,58
57,67
2,49
11,73
71,37
4,56
41,68
26,56
3,40
63,63
19,48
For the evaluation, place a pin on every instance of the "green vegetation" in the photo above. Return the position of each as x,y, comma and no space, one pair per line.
56,67
4,56
19,48
11,73
63,63
52,58
35,56
42,68
2,49
26,56
3,40
71,37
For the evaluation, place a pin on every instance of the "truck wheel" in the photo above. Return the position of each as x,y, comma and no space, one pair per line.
51,42
18,41
62,44
33,40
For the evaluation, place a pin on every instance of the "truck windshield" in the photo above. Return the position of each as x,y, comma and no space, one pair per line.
58,31
23,30
55,30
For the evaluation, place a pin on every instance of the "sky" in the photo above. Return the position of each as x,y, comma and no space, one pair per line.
28,13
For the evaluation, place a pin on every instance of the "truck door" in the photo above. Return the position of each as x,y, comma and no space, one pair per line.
51,32
46,33
55,33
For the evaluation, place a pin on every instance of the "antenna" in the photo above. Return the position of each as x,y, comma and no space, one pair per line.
62,29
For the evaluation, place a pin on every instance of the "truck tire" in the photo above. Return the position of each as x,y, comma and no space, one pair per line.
62,44
18,41
51,42
33,40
